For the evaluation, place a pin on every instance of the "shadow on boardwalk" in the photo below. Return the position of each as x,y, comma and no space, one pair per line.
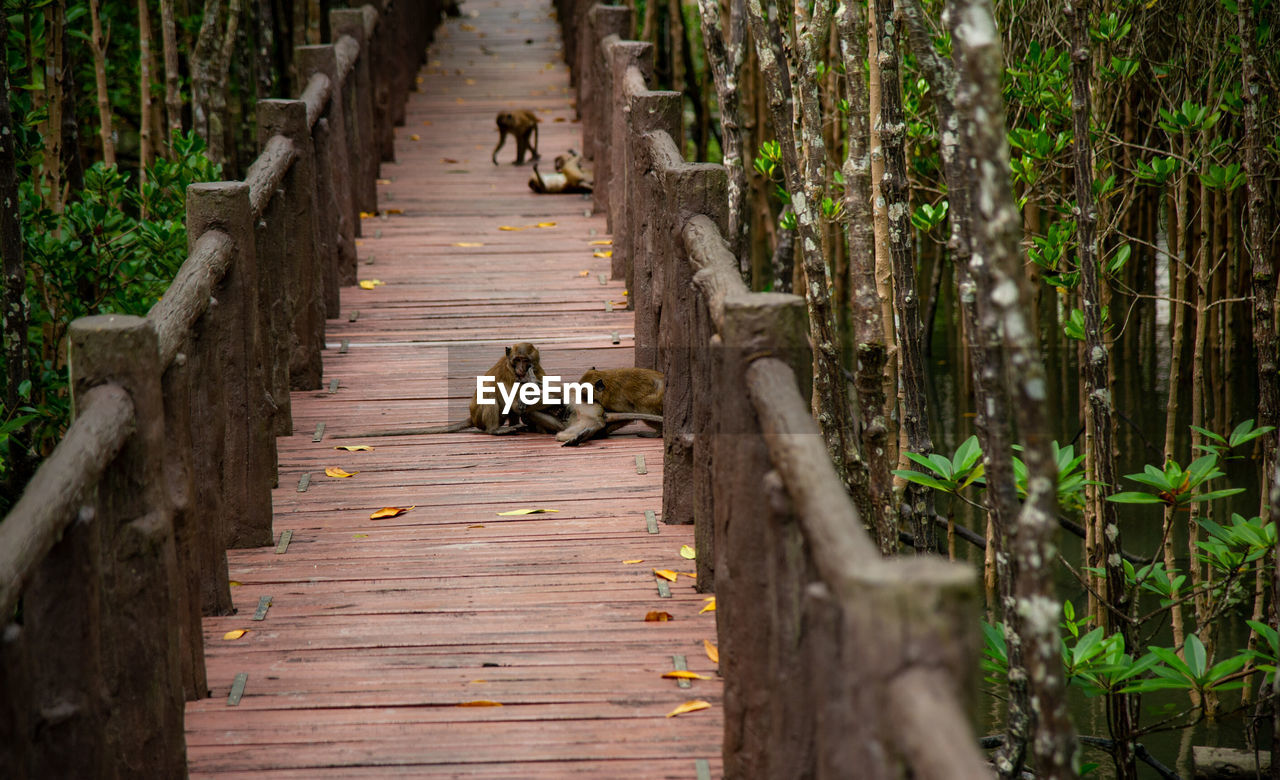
379,630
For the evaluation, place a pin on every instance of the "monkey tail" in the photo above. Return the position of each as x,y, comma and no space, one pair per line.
631,417
455,427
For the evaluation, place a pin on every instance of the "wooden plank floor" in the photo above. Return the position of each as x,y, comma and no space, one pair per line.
378,630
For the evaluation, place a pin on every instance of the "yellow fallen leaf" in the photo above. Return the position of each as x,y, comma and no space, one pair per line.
234,584
480,703
471,82
584,273
689,706
602,242
657,617
710,606
477,525
459,100
235,634
526,512
605,253
359,536
635,560
681,674
337,473
413,137
354,447
626,292
368,214
369,284
546,224
391,511
713,652
511,227
618,303
468,243
477,682
384,181
687,552
665,574
418,80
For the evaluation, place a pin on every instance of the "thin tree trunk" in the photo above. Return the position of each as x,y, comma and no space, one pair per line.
996,233
15,312
917,499
54,89
784,259
805,185
724,61
146,151
692,86
98,43
868,330
265,80
1100,457
209,67
172,78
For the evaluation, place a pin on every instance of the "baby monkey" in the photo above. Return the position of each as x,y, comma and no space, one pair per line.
521,125
569,177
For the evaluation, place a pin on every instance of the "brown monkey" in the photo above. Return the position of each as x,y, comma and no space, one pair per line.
520,124
636,391
520,365
571,166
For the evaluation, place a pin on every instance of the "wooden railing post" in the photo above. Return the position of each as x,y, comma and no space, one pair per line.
249,454
645,112
382,59
336,216
363,154
604,23
623,56
302,272
751,507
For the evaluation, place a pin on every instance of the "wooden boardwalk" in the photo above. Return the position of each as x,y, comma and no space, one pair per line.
379,629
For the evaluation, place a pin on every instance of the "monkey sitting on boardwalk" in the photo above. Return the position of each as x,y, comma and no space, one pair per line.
521,125
621,395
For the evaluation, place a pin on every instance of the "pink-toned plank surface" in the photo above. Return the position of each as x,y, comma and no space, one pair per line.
379,629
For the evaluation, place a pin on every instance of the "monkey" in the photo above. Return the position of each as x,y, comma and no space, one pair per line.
520,365
520,124
635,391
568,177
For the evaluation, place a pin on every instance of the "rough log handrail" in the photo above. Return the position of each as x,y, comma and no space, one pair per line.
833,657
117,546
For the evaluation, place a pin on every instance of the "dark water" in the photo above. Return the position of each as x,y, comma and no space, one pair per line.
1140,393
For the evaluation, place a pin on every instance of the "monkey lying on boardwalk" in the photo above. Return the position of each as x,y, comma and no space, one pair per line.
569,177
621,395
520,124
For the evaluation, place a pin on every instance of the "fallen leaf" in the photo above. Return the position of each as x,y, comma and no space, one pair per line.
526,512
713,652
368,214
369,284
626,292
478,525
459,101
687,552
481,703
391,511
689,706
665,574
427,123
384,181
418,80
393,211
511,227
635,560
560,119
618,303
235,634
602,242
413,137
354,447
337,473
657,617
546,224
584,273
477,682
359,536
681,674
235,584
471,82
710,606
467,27
449,160
605,253
468,243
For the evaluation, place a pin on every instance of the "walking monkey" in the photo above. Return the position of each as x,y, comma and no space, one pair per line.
520,124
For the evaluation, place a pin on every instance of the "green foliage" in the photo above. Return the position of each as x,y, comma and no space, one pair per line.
1179,487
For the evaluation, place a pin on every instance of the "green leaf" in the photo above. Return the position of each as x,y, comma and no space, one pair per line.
1195,654
924,479
1135,498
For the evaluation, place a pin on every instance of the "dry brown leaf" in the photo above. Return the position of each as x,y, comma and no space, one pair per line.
448,160
393,211
713,652
681,674
657,617
480,703
391,511
414,137
354,447
337,473
235,634
560,119
710,606
689,706
635,560
477,525
665,574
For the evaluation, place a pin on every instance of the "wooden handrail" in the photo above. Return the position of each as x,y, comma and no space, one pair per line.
187,298
316,96
53,496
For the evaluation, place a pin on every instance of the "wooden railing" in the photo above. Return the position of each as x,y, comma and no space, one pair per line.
837,662
118,545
